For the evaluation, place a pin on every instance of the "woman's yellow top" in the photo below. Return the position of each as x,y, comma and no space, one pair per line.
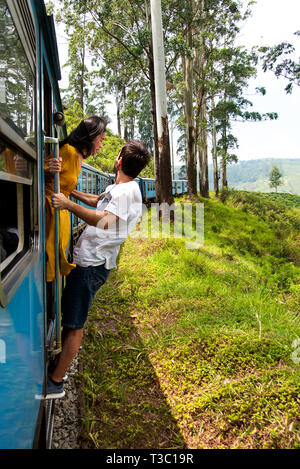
70,171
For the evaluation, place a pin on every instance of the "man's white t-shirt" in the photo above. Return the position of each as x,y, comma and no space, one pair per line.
97,246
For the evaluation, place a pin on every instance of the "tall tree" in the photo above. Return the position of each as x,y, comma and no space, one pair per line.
84,85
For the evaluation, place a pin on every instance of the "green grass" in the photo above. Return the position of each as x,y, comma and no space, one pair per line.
192,348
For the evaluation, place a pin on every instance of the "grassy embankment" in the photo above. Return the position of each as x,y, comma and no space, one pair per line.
193,348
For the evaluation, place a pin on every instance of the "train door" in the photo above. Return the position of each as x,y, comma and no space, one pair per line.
47,131
53,288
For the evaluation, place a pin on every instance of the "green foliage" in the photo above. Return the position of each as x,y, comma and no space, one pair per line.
275,178
73,115
277,60
288,200
107,155
105,158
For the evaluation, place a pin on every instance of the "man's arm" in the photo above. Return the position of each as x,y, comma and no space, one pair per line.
88,199
91,217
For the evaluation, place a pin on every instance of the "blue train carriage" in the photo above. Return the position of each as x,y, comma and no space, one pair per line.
147,186
93,181
179,187
29,98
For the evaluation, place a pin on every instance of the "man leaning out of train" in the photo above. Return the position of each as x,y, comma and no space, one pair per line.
117,212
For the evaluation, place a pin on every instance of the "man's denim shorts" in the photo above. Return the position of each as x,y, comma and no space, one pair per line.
81,285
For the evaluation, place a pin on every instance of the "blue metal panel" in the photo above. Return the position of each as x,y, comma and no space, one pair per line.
139,181
22,333
149,188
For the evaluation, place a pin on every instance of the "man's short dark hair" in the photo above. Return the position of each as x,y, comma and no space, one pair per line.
135,157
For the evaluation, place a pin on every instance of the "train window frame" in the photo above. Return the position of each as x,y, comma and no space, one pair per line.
20,228
16,266
84,181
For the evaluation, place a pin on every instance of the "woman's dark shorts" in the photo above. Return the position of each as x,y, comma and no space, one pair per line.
81,285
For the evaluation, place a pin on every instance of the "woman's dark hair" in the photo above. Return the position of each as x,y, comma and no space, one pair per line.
135,157
83,136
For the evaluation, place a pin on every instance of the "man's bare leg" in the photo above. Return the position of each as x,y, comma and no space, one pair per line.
71,344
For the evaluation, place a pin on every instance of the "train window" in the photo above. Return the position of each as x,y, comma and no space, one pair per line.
17,219
89,183
13,165
16,79
18,170
84,182
94,184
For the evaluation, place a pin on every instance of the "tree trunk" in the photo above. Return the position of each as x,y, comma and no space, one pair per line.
82,77
202,155
224,162
154,121
81,98
214,150
125,130
153,104
165,194
118,114
132,121
189,114
202,143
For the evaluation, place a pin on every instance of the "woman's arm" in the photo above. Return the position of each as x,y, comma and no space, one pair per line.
88,199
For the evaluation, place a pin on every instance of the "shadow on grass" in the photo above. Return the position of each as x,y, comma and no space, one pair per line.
124,405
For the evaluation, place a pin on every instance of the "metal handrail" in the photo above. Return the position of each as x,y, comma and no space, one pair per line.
58,345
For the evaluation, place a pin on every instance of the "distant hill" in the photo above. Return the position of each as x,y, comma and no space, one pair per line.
253,175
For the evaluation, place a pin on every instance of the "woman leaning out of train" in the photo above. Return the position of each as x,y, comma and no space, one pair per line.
82,142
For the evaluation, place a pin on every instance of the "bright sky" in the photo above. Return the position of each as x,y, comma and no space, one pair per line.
272,22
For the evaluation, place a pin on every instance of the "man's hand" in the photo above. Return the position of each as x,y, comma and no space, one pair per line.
90,216
60,201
